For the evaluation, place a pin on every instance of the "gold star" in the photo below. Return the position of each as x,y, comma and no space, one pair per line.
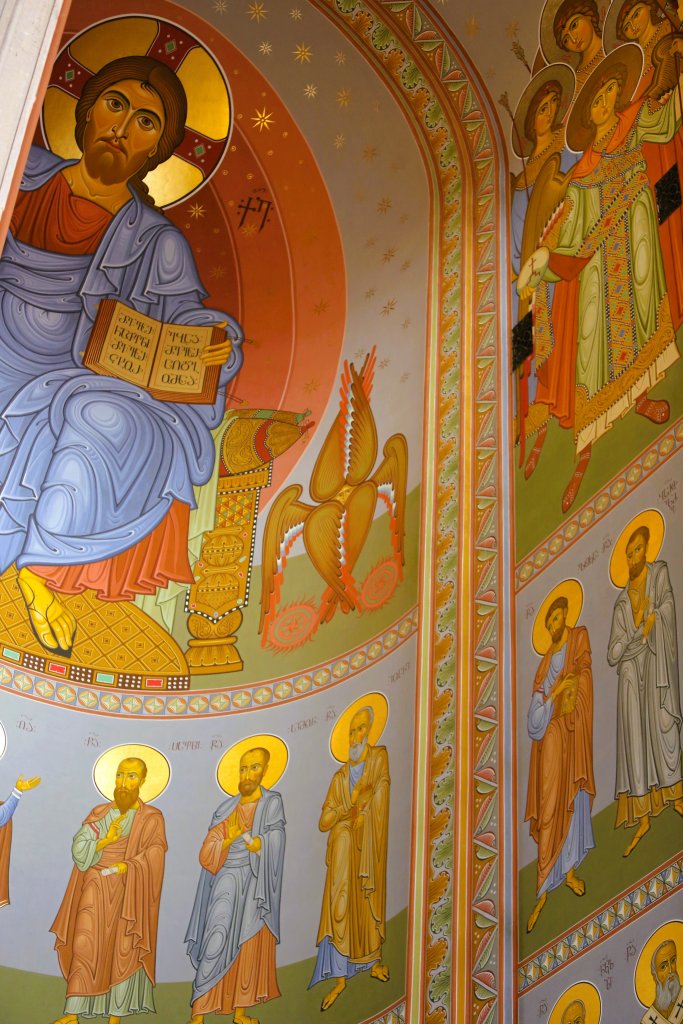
370,294
405,265
311,385
257,12
388,256
220,6
359,353
340,57
472,26
383,205
389,307
196,210
303,54
384,363
248,229
295,14
262,119
266,48
370,242
369,153
339,141
403,218
321,307
406,324
344,97
217,272
404,377
310,91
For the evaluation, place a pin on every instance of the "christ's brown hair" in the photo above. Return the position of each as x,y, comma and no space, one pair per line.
151,74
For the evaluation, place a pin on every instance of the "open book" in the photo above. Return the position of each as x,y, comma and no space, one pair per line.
164,359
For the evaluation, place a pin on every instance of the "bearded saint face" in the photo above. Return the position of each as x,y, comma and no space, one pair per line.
129,777
358,735
252,767
123,129
666,977
636,554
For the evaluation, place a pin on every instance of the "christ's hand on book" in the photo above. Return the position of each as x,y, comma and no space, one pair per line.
216,355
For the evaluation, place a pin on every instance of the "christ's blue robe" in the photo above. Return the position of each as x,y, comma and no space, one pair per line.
90,465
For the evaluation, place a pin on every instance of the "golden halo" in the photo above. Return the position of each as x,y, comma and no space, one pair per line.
654,520
209,104
579,136
573,591
3,740
589,996
158,770
339,740
644,982
228,770
549,48
564,76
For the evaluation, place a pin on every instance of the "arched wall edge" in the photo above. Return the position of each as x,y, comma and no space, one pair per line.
463,892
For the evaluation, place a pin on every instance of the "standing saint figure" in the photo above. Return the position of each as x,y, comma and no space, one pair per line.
235,923
356,817
613,335
560,724
82,231
106,928
7,810
643,647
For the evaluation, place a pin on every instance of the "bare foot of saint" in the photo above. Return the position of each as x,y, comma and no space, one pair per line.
577,885
114,1020
333,994
380,972
536,911
642,830
198,1018
68,1018
52,623
240,1017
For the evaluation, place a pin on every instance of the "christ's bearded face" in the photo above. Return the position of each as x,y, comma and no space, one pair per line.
129,778
358,735
123,129
636,555
666,977
252,767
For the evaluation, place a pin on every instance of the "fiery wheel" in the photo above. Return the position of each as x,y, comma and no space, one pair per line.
293,626
379,585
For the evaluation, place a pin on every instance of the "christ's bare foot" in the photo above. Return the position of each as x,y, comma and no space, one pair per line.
536,911
380,972
577,885
51,621
333,994
642,830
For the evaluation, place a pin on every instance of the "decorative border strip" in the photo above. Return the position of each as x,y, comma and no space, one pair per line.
395,1015
609,497
461,141
625,908
204,704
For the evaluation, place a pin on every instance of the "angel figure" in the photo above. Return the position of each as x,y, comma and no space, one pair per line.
345,491
612,337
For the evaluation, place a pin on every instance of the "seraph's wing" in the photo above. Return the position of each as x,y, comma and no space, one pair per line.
350,448
391,479
284,524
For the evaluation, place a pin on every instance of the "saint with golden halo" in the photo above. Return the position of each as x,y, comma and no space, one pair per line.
106,928
235,922
355,816
560,725
643,647
133,104
570,31
659,975
580,1004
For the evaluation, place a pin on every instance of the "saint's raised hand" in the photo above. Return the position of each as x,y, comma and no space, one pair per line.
23,785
